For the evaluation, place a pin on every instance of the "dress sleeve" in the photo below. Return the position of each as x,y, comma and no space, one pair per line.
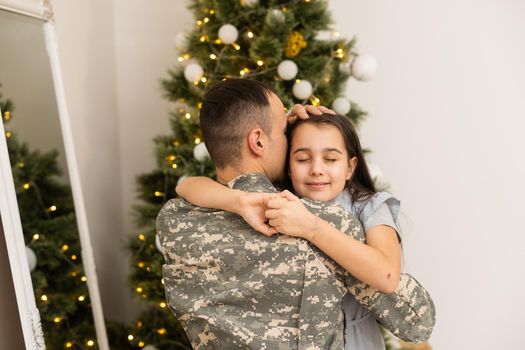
381,209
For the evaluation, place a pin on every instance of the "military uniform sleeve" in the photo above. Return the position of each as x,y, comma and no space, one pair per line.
408,312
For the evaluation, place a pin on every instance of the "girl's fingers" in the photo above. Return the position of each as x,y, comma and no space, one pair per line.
273,222
271,214
276,203
289,196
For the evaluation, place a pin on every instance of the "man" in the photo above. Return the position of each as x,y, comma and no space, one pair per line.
232,287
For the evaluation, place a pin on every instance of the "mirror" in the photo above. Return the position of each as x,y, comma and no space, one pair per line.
42,210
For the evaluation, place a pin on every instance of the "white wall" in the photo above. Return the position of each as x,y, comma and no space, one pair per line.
445,123
446,120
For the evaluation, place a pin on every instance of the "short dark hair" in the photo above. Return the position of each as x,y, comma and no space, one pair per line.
229,111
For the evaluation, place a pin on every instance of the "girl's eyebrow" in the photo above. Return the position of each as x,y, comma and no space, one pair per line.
305,149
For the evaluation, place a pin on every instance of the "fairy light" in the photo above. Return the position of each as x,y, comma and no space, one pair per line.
206,19
141,264
186,56
21,164
174,166
199,105
81,298
36,236
90,343
57,319
141,343
142,237
213,56
260,63
162,281
297,81
26,186
130,337
203,79
52,208
250,35
176,143
73,257
68,344
197,140
8,134
203,38
161,331
212,12
158,194
236,46
139,324
74,274
181,58
340,53
83,278
65,247
162,305
196,82
199,22
139,289
43,297
7,115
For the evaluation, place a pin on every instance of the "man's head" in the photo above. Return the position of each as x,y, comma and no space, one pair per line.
243,124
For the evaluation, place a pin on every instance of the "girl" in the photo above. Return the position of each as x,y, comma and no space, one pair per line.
325,163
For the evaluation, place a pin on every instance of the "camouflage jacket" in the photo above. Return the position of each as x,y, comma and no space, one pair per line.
232,287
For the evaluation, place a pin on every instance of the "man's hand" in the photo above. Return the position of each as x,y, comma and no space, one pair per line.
301,112
252,208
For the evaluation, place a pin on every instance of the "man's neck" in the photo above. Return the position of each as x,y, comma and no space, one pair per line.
229,173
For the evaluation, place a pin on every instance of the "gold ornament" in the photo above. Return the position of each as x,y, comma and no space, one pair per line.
294,45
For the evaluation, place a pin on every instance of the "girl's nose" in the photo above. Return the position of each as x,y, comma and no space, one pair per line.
317,168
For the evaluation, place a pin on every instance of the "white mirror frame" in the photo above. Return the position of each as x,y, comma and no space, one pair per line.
29,315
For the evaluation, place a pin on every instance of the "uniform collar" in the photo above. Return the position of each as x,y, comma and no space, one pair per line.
253,182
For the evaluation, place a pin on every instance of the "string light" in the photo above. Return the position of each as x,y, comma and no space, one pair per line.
43,297
199,22
52,208
161,331
139,289
212,12
199,105
81,298
203,79
162,305
141,343
65,247
176,143
139,324
162,281
174,166
196,82
36,236
130,337
158,194
186,57
57,319
188,116
197,140
142,237
68,344
8,134
21,164
83,278
90,343
206,19
73,257
250,35
74,274
260,63
7,115
26,186
236,46
141,264
340,53
181,58
212,56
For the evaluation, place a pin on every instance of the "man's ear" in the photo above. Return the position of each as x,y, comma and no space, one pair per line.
352,165
256,142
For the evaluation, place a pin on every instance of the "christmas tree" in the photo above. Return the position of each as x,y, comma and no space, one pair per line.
287,44
52,243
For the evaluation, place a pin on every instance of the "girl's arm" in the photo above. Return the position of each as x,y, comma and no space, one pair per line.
377,263
205,192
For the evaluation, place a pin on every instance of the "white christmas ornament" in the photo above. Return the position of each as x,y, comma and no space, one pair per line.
375,171
157,243
149,347
228,33
364,67
302,89
181,42
275,15
31,258
200,152
287,70
249,3
193,72
341,105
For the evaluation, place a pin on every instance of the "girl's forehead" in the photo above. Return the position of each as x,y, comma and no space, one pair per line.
317,136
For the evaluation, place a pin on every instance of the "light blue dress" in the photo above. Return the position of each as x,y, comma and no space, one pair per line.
362,330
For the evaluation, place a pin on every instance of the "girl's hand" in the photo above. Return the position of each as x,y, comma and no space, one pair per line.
288,215
252,207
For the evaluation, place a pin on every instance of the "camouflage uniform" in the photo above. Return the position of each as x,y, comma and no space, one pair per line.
234,288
